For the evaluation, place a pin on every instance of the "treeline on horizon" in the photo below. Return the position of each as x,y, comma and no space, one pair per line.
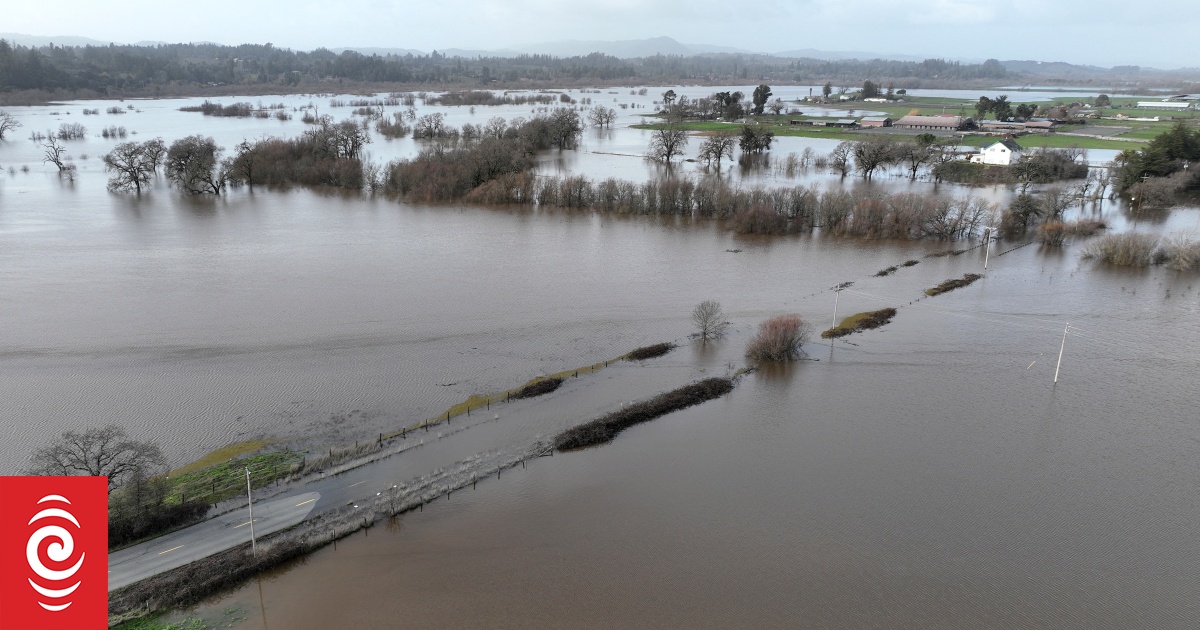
114,70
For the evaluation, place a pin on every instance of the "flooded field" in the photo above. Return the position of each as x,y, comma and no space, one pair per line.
926,474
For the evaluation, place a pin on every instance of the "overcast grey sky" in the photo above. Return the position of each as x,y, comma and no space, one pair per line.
1160,33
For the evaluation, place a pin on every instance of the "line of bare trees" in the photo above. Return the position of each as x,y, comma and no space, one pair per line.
755,210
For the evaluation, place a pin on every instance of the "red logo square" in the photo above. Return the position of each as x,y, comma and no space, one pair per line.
53,553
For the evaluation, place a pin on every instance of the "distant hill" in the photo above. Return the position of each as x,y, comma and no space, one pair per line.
623,49
632,49
840,55
382,52
58,40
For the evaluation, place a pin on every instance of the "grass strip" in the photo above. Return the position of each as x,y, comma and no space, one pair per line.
604,429
860,322
952,284
475,401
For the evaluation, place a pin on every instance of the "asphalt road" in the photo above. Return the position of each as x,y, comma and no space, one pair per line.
152,557
514,425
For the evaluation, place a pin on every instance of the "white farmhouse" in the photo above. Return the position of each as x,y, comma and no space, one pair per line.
1003,152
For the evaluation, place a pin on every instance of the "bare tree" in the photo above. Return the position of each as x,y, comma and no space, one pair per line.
777,106
193,163
8,122
104,452
496,127
602,116
839,158
1055,201
131,167
565,128
155,151
914,155
667,143
55,153
872,154
709,320
668,98
430,126
716,147
247,163
71,131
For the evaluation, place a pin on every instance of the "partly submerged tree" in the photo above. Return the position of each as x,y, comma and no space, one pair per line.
8,122
709,320
666,144
55,153
874,153
132,165
602,116
193,163
756,139
717,147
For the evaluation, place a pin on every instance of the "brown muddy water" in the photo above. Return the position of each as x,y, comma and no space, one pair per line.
921,475
926,474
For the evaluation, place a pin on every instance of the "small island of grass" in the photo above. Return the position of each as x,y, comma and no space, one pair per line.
952,284
860,322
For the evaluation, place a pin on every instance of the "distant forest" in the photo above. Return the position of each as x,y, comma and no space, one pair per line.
178,68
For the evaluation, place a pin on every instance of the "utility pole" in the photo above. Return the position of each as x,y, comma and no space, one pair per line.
836,294
250,505
987,245
1060,352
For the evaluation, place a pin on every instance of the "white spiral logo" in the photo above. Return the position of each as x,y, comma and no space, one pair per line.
59,551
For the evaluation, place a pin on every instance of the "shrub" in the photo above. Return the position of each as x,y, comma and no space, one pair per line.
779,339
125,527
1182,253
1130,249
1053,233
759,219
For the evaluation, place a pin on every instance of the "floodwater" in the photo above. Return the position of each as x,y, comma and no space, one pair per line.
927,474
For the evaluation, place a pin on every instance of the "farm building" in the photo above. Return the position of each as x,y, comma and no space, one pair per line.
1001,125
937,123
1040,124
875,121
824,122
1003,152
1172,105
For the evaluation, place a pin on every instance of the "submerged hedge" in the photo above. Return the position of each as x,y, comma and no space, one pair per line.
538,388
649,352
604,429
